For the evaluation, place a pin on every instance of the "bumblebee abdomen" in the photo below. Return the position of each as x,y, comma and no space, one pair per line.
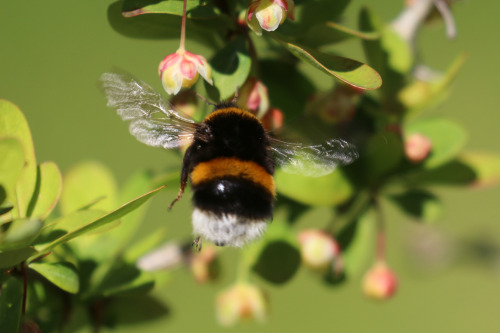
232,186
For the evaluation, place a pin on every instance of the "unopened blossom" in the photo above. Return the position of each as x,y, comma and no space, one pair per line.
182,69
203,264
380,282
320,251
269,14
242,301
417,147
253,96
272,119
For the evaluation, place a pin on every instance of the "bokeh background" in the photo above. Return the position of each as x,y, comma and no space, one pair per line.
51,56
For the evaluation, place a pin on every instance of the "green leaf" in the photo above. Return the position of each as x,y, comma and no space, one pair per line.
11,297
61,274
358,244
21,233
420,204
85,183
11,165
347,70
455,172
230,69
114,215
194,8
13,124
12,258
446,136
331,189
399,54
278,262
47,190
485,165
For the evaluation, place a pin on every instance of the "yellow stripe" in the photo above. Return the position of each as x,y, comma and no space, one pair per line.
231,110
230,166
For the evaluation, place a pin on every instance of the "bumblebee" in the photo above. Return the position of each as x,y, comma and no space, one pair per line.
230,160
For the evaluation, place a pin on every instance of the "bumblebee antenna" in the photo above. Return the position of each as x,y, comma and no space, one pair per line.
204,99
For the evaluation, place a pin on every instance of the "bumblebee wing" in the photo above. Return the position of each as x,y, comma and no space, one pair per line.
312,160
152,119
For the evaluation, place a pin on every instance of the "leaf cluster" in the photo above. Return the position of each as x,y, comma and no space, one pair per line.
45,277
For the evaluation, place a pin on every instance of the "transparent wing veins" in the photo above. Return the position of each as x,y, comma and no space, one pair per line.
152,120
312,160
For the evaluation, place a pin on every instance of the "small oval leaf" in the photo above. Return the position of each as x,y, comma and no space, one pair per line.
11,165
350,71
47,191
230,69
13,124
61,274
21,233
331,189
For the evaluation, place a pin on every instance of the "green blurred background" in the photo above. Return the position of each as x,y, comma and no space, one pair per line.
52,54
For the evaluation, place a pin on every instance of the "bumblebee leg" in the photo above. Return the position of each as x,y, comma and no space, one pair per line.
178,197
197,243
184,179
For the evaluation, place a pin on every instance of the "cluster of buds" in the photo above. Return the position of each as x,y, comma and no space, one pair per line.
242,301
320,252
182,68
269,14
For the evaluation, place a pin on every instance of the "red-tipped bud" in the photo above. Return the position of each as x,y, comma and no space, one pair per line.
272,119
269,14
202,264
241,302
253,96
181,70
417,147
320,251
380,282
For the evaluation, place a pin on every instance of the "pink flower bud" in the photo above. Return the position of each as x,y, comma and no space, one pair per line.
240,302
320,251
253,96
181,70
380,282
269,14
417,147
272,119
202,264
